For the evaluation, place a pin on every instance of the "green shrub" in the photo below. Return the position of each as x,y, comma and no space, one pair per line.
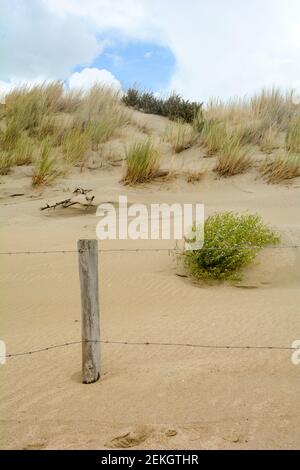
174,107
142,160
231,241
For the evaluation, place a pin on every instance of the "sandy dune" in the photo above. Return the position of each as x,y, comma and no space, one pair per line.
149,396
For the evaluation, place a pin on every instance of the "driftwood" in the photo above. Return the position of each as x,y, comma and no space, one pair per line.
80,197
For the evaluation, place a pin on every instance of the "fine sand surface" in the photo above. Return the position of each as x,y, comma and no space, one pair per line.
169,397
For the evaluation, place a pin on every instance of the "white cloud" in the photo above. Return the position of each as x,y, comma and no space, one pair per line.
221,48
90,76
35,42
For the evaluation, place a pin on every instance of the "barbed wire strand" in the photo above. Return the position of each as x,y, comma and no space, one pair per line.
117,250
150,343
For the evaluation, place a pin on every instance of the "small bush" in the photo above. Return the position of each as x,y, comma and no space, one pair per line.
281,168
181,136
142,160
45,167
293,136
231,241
174,107
6,162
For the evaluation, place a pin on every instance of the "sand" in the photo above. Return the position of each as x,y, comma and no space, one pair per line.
161,397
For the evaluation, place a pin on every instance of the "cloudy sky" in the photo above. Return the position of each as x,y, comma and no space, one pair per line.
200,48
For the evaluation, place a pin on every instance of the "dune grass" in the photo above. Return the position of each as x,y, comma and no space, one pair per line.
180,135
213,135
45,168
23,152
231,241
6,162
233,156
142,160
194,176
268,139
292,142
74,146
281,168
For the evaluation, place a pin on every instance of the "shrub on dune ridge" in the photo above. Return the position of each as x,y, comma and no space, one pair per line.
174,107
142,159
231,241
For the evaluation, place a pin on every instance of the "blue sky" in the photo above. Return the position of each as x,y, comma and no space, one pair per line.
148,65
199,48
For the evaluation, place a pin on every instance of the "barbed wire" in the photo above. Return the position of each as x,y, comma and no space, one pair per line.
117,250
150,343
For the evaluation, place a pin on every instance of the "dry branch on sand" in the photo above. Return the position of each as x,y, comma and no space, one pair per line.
81,197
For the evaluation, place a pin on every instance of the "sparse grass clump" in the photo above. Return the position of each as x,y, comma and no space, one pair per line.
105,127
45,168
174,107
27,106
268,139
213,135
6,162
293,136
24,151
233,156
74,146
231,241
194,176
142,161
281,168
180,135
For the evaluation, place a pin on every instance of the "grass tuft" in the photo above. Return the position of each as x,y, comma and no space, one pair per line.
142,159
180,135
45,168
292,142
281,168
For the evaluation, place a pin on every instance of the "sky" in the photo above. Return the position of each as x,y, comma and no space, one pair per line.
198,48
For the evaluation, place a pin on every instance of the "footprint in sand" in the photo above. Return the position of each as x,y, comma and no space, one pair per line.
130,439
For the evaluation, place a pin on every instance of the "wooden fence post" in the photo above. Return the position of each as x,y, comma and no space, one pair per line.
90,330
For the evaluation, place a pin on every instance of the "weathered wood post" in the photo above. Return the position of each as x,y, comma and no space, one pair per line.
90,329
